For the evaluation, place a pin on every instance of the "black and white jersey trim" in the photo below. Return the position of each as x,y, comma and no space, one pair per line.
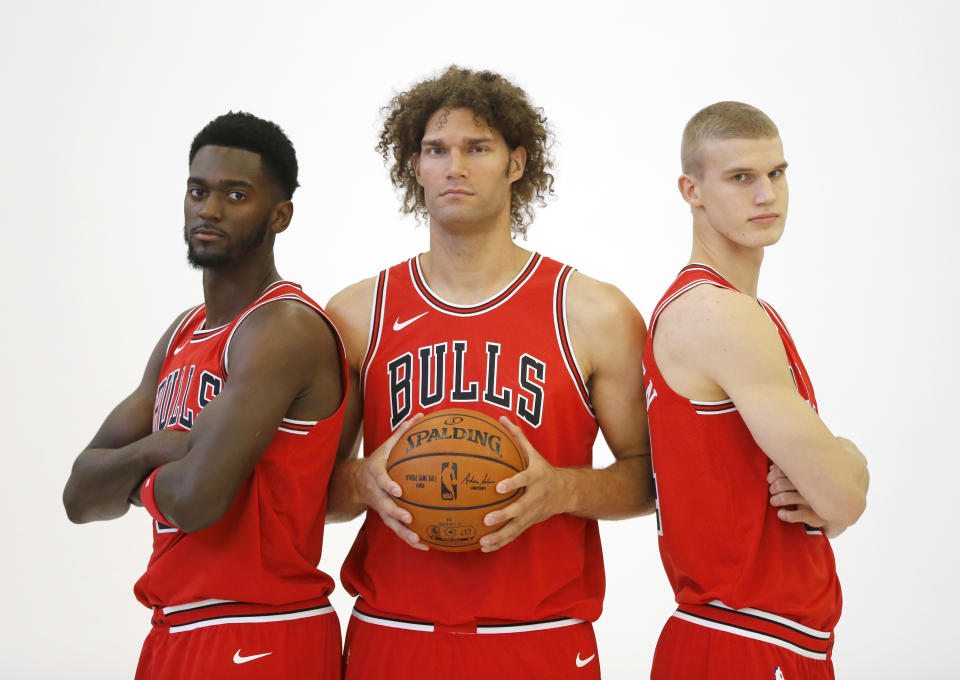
301,427
712,408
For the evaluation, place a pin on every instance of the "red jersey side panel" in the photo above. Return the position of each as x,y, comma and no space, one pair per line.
509,356
721,541
266,548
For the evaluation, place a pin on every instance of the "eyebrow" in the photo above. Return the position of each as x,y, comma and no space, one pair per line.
737,171
469,140
225,184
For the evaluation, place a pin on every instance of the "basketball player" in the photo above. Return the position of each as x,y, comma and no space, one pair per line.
478,322
750,482
231,436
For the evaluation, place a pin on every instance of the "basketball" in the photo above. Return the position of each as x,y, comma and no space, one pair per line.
448,466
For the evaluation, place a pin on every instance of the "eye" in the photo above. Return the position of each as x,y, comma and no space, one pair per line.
433,151
236,196
740,177
776,173
479,148
195,192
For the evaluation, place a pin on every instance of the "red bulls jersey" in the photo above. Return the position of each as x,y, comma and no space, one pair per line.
721,541
507,356
265,550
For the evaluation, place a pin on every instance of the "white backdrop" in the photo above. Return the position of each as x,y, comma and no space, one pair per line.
100,103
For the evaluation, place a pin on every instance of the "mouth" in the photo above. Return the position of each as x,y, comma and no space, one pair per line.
454,193
766,218
205,232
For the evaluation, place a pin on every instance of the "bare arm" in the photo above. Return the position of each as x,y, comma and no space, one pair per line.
361,483
723,341
608,335
283,361
123,451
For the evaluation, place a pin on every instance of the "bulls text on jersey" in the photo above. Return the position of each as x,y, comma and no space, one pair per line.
430,369
170,407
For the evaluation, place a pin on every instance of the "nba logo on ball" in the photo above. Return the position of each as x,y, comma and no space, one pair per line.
448,481
448,465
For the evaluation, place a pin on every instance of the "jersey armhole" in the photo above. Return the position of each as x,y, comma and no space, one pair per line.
377,306
563,337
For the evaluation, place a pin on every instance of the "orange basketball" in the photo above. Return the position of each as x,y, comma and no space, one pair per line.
448,465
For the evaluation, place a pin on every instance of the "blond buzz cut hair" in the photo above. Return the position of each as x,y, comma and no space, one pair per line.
723,120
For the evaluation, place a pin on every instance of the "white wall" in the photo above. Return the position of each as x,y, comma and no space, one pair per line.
100,104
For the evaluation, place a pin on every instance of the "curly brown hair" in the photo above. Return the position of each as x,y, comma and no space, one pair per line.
494,100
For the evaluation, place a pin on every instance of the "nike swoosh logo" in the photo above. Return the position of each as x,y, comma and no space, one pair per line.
397,326
179,349
244,659
583,662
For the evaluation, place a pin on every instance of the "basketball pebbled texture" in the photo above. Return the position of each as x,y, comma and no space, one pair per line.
448,465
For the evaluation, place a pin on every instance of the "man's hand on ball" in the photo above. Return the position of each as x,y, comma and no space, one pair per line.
377,490
545,494
784,494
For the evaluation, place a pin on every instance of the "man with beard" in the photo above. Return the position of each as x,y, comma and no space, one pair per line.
230,438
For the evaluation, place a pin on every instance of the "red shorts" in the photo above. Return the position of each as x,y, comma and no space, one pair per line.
288,644
379,647
708,642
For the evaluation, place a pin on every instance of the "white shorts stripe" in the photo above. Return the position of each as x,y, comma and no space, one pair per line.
390,623
253,618
821,656
789,623
481,630
193,605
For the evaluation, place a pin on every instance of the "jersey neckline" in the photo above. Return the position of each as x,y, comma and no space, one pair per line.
438,303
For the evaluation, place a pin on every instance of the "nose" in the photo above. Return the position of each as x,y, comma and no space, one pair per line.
457,166
210,207
765,192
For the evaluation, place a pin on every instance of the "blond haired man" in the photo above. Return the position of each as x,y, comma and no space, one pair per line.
750,481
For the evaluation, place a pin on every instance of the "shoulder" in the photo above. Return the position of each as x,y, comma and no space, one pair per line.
604,324
599,305
350,310
285,328
709,320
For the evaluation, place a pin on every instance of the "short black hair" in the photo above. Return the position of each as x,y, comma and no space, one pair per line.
241,130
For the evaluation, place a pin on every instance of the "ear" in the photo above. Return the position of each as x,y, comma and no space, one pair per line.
518,162
690,190
281,216
416,167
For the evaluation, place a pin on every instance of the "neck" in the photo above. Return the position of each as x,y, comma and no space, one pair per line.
230,289
738,264
469,268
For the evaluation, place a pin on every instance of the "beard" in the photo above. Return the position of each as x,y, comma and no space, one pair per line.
231,253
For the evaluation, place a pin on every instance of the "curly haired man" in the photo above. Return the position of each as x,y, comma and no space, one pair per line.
481,323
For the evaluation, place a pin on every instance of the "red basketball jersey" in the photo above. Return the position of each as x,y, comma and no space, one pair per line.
509,355
266,548
721,541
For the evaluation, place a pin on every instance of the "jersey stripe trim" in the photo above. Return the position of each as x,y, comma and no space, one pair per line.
563,337
481,629
253,618
376,327
712,408
292,426
431,298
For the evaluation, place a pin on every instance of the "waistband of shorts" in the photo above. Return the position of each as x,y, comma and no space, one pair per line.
760,625
203,613
365,613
